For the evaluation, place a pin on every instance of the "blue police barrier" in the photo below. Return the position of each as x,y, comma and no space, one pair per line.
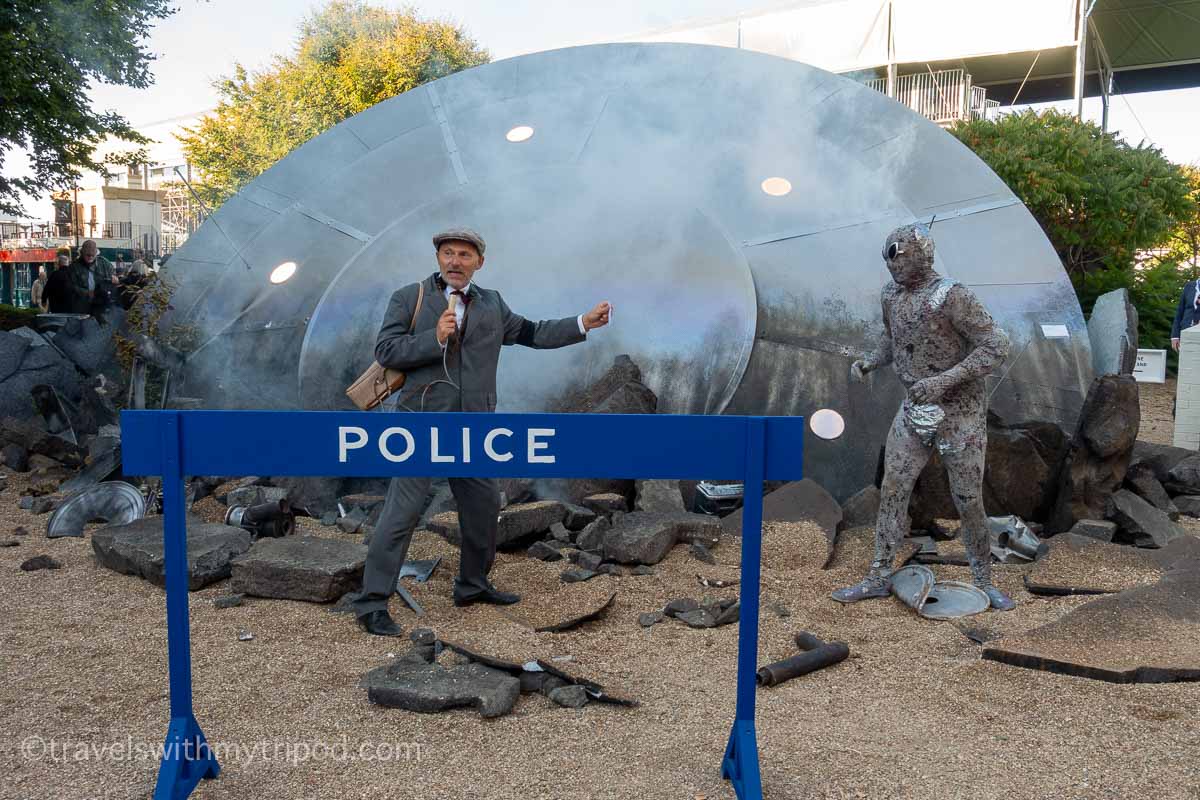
178,443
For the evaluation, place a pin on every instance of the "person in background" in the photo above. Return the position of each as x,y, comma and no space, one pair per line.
1187,314
59,294
93,280
37,291
132,284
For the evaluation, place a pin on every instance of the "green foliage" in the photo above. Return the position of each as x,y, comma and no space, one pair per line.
350,56
13,317
1099,200
52,50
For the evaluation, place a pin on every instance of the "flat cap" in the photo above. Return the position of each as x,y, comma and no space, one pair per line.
460,235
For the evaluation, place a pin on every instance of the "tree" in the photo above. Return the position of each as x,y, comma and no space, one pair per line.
350,56
1099,200
51,50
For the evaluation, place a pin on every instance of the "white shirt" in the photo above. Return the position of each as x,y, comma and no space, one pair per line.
461,309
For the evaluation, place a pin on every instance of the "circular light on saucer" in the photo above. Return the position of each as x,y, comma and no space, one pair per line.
284,271
520,133
827,423
777,187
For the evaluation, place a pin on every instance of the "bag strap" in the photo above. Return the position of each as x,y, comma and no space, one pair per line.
417,310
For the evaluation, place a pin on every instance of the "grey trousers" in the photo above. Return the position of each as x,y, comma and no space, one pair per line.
478,502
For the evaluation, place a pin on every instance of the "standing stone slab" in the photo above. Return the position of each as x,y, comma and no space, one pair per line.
1113,331
658,495
137,549
640,538
1099,529
1140,479
300,568
861,509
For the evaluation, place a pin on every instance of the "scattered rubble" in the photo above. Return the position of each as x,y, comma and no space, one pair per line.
137,549
40,562
305,568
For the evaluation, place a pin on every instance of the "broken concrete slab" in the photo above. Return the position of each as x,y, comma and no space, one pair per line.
308,568
516,522
1076,564
580,619
1184,477
1149,526
577,517
1159,639
1161,458
572,696
641,538
605,502
137,549
430,688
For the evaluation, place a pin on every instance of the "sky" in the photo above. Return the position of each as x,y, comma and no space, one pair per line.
203,40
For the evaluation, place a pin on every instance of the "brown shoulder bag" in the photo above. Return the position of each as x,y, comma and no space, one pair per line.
374,385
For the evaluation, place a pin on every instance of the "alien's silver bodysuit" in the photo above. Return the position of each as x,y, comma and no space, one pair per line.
938,335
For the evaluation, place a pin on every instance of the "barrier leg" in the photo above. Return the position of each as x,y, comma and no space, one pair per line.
186,757
740,764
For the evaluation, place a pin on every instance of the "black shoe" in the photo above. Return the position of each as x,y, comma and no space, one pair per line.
491,595
379,623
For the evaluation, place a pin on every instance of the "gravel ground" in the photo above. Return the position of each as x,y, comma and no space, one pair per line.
914,712
1157,400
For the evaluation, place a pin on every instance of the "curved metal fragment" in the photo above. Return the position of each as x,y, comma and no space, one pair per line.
953,599
114,502
911,585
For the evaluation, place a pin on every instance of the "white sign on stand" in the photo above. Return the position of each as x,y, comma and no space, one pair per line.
1151,366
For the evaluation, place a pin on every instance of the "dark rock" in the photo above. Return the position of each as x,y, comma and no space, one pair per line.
422,636
1184,477
697,618
40,562
45,484
317,495
1140,478
552,682
650,618
352,522
360,500
728,615
577,575
329,519
560,533
1113,331
532,682
255,495
137,549
610,569
679,606
38,461
1160,458
44,504
31,434
1021,474
577,517
228,601
300,568
641,538
573,696
1100,452
26,502
1135,516
10,543
516,522
606,502
794,502
543,552
592,536
642,569
15,457
38,366
1098,529
90,343
20,530
658,495
589,562
429,688
1188,504
861,509
701,553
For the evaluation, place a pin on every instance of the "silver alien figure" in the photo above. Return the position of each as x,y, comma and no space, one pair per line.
942,342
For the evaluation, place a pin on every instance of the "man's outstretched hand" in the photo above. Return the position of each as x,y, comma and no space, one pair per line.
598,316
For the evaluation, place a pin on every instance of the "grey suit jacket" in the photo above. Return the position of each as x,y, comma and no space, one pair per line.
470,360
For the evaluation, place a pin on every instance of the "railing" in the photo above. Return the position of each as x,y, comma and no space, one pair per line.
123,235
944,97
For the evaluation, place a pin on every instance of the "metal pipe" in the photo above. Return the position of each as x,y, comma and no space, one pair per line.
814,654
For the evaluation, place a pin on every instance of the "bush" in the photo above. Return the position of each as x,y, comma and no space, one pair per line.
12,317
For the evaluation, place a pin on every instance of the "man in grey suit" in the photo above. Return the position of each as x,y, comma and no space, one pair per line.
450,353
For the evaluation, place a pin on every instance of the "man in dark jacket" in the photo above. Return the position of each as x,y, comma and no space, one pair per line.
450,355
1186,315
59,294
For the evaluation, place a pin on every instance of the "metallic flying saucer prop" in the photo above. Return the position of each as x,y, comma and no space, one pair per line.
731,204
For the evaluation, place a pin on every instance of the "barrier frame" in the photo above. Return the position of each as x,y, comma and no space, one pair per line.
173,444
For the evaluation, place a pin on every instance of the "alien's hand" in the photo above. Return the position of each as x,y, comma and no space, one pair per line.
929,390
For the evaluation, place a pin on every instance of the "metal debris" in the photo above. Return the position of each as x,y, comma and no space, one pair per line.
114,502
